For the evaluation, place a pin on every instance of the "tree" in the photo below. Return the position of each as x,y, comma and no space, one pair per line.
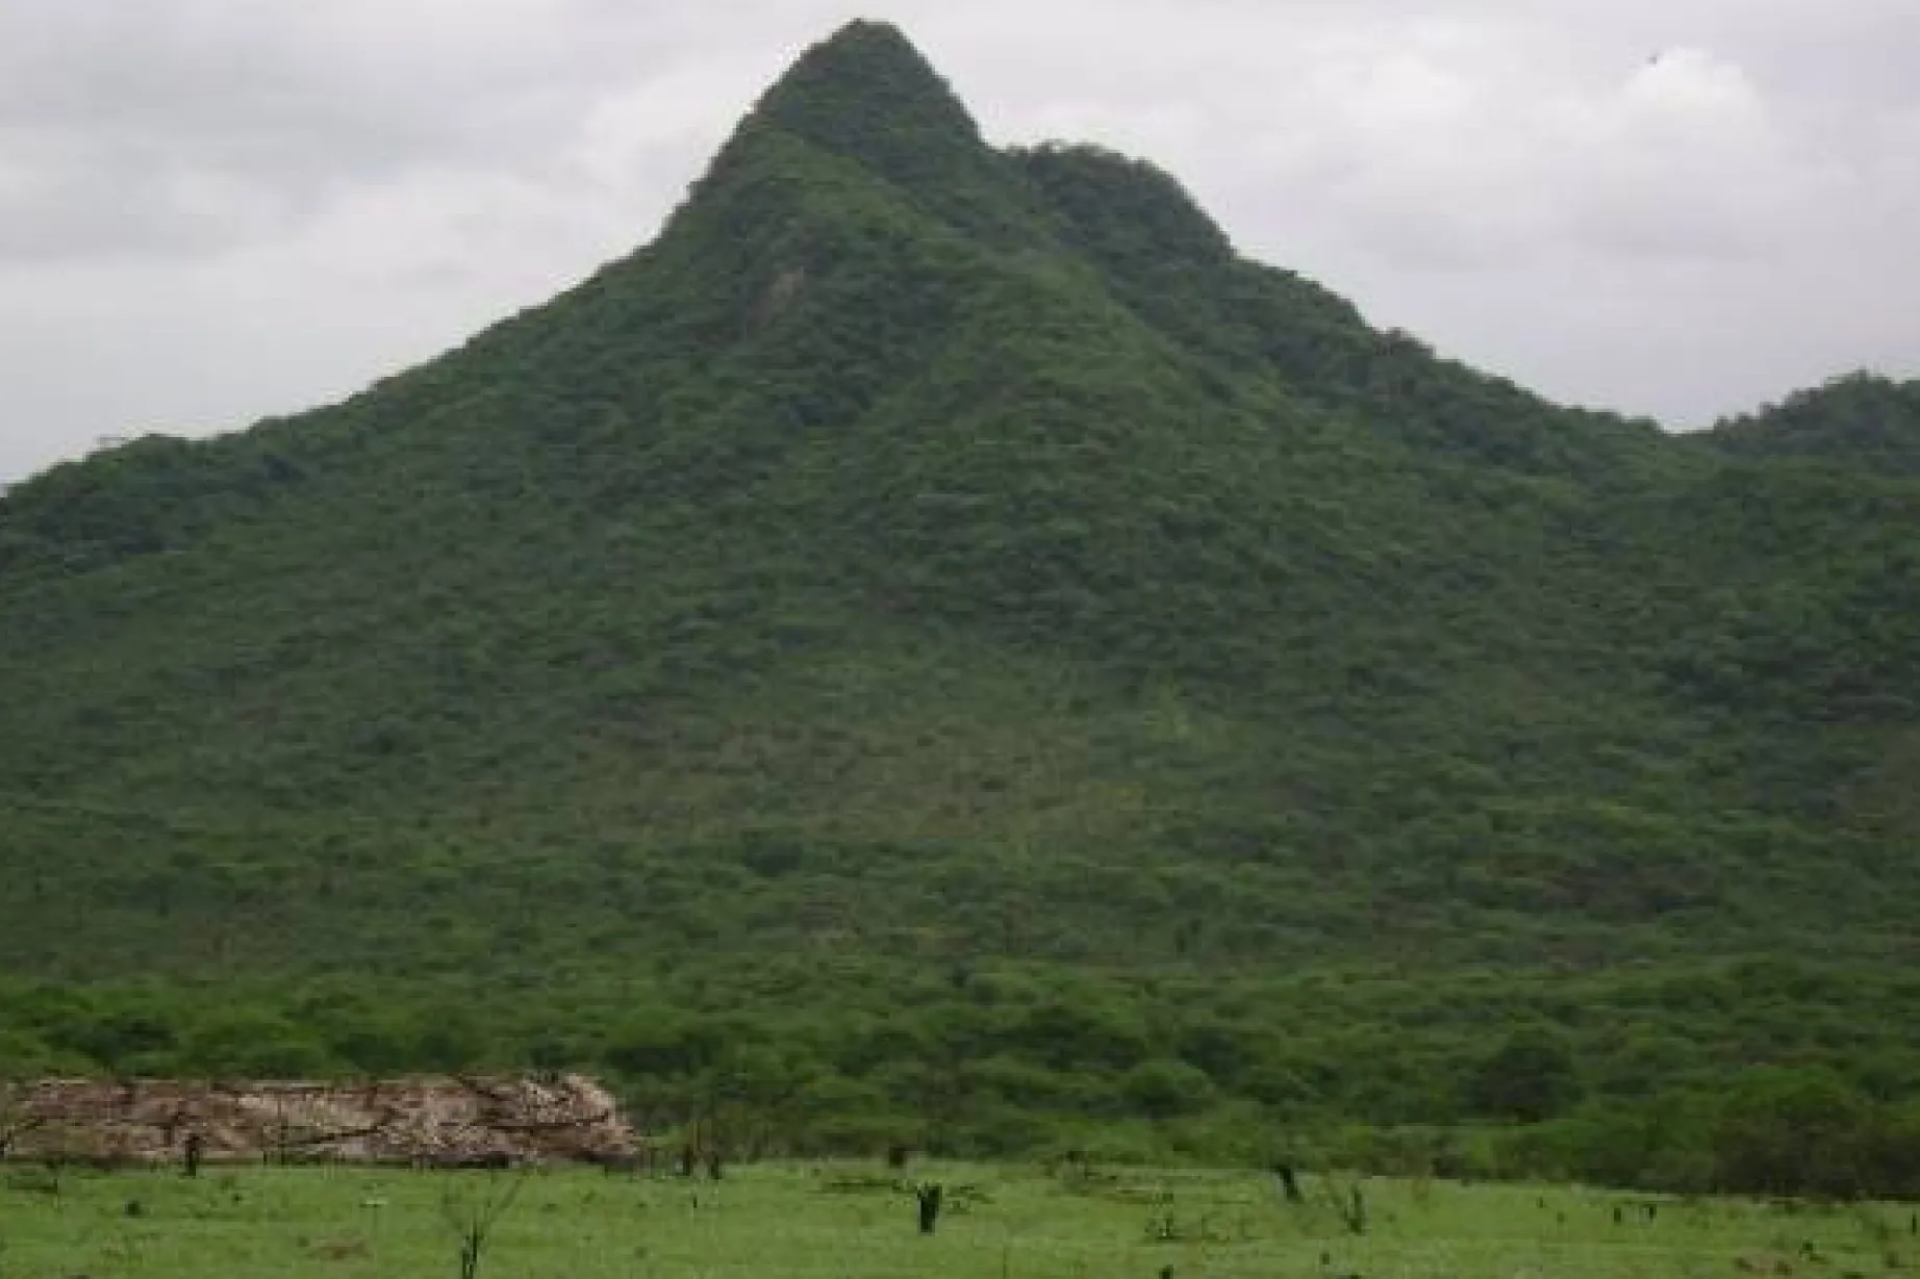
1529,1078
1163,1089
1789,1132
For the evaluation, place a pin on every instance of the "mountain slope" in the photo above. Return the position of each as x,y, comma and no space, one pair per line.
940,579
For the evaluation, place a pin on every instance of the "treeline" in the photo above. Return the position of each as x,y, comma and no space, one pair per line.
1005,1066
1769,1130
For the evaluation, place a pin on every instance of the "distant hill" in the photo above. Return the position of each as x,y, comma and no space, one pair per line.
937,643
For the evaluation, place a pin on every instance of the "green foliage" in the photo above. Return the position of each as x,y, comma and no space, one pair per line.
1857,421
1165,1089
936,647
1783,1131
1530,1077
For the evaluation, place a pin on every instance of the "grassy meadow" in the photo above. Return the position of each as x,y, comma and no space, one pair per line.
848,1220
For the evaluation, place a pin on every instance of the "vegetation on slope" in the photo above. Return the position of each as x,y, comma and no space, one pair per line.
937,643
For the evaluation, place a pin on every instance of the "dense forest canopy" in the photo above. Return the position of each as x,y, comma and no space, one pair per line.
938,647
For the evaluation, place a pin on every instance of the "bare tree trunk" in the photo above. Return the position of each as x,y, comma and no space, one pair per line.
930,1197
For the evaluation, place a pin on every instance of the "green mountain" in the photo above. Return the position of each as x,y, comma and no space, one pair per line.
938,643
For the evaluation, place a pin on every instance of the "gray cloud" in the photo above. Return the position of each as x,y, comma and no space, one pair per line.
215,209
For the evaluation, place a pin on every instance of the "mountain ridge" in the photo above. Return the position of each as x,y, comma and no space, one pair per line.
1856,419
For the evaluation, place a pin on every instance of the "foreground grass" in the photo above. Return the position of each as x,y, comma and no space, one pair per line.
845,1221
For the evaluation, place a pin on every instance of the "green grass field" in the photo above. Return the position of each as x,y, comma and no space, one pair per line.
845,1220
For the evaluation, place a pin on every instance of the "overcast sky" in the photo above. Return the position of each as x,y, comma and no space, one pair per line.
214,210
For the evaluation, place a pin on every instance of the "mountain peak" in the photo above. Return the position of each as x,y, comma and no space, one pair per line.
866,92
866,97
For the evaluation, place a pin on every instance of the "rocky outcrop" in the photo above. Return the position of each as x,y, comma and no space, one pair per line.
458,1121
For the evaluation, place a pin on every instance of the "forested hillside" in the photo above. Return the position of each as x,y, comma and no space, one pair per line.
937,646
